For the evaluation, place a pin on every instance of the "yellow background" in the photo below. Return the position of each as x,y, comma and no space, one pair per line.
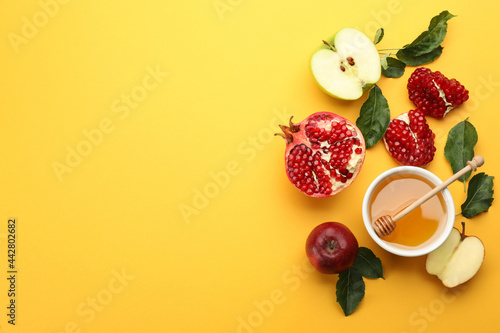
176,93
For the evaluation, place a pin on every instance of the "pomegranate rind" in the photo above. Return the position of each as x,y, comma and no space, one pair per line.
325,155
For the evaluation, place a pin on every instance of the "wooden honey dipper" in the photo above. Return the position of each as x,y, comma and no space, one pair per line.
385,225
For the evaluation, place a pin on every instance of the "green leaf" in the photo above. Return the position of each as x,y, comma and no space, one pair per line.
368,264
374,117
479,195
430,39
395,68
378,36
421,59
350,290
459,147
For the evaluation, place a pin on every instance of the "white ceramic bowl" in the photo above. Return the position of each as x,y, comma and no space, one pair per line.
437,239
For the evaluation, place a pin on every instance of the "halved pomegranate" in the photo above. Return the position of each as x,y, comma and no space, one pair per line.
324,153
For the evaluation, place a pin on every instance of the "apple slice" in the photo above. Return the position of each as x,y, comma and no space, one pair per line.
347,66
439,258
457,260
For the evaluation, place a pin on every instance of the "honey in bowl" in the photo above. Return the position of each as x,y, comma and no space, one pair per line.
419,227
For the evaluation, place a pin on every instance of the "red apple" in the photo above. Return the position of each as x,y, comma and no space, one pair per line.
331,248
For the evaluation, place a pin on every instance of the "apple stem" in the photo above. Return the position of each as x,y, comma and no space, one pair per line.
330,46
462,235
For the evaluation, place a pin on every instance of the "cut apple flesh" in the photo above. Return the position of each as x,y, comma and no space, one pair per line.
457,260
464,263
348,69
439,258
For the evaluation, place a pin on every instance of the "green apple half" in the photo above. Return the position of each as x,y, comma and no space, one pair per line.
347,66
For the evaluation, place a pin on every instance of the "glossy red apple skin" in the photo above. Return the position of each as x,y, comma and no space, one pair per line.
331,248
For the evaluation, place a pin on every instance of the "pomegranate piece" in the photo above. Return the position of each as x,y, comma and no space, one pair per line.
409,139
433,93
324,153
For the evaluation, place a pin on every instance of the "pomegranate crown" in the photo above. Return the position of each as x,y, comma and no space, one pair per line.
288,131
